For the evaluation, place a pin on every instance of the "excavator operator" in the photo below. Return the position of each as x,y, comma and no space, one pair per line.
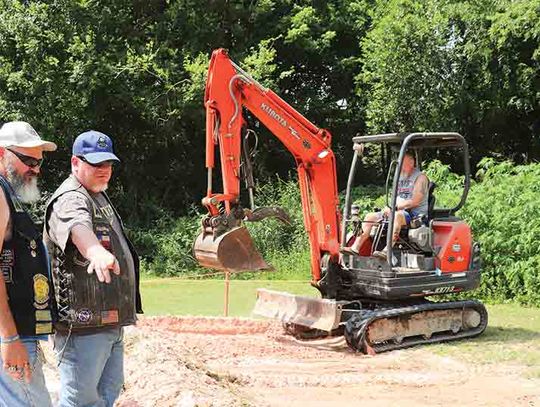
412,202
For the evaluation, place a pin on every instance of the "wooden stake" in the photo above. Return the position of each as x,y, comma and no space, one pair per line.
227,284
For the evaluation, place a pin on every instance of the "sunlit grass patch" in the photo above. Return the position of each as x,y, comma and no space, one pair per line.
512,336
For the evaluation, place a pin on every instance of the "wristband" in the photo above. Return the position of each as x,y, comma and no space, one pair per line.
10,339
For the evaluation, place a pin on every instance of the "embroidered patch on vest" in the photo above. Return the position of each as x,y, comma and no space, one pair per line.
41,291
43,315
84,315
17,205
103,234
33,246
43,328
7,262
109,316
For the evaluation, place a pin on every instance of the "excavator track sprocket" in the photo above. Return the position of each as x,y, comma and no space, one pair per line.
382,330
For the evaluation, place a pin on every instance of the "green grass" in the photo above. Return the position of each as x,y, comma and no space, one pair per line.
512,336
174,296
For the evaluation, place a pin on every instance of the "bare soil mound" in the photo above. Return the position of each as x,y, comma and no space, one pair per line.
199,361
188,361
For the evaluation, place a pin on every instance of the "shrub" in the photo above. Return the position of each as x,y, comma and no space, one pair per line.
272,236
166,248
502,210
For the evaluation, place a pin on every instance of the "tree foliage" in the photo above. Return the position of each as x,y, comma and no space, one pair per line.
136,71
471,67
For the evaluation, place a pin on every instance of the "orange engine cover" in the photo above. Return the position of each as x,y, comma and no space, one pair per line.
455,242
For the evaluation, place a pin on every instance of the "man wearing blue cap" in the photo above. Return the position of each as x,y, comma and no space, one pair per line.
95,274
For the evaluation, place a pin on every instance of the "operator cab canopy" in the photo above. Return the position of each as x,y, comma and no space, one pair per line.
419,142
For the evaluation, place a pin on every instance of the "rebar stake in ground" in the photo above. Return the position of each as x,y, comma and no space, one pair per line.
227,284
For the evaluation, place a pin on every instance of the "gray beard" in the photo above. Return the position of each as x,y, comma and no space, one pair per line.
27,191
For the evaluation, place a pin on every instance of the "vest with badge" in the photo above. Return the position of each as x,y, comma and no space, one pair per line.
83,301
25,268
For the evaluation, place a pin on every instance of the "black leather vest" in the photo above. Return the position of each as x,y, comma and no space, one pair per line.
24,264
83,301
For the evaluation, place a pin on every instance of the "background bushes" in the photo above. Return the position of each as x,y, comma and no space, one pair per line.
503,210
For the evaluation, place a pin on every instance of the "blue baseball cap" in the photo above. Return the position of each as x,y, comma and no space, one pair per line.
95,147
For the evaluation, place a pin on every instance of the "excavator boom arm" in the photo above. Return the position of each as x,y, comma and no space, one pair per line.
228,90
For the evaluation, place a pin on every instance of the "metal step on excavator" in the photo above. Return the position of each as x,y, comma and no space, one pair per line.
377,291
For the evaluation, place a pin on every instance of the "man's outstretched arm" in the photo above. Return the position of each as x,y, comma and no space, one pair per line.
101,260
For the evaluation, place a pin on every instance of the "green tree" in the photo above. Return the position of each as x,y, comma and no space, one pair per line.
466,66
136,70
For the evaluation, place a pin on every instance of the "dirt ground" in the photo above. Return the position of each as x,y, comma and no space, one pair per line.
196,361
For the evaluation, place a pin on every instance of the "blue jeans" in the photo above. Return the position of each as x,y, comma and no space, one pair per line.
18,393
91,368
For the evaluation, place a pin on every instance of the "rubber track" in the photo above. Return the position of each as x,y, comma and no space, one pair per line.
357,326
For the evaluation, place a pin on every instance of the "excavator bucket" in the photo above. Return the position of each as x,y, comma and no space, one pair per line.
232,251
309,312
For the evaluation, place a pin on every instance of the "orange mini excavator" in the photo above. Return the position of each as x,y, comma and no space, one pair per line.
378,304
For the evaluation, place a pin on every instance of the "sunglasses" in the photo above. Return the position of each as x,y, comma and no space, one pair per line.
98,165
31,162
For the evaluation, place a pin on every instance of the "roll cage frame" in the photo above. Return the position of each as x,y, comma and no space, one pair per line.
406,141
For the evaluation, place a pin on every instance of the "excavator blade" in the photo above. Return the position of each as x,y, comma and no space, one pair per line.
309,312
232,251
